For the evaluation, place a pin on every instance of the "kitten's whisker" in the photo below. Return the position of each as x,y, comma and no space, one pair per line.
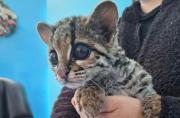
91,65
80,72
71,74
80,76
96,84
77,78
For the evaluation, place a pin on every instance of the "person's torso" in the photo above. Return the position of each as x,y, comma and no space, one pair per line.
159,52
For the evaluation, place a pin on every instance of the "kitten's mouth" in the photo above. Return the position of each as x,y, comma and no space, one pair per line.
82,75
75,76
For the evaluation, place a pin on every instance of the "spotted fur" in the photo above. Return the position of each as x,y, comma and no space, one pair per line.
106,71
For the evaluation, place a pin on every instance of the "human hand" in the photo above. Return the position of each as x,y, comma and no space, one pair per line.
119,107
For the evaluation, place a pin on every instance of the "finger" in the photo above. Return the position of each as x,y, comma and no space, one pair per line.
105,115
111,104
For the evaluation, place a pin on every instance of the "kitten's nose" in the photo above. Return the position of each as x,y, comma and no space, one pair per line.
63,73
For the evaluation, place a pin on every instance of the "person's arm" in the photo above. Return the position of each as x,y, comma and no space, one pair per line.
63,107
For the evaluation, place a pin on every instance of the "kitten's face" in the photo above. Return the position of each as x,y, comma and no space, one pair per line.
74,54
78,46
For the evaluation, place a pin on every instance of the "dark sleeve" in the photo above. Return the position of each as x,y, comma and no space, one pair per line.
14,102
170,107
63,107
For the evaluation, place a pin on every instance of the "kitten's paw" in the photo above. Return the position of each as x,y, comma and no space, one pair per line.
89,100
152,106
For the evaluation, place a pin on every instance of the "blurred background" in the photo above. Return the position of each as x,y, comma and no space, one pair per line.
23,56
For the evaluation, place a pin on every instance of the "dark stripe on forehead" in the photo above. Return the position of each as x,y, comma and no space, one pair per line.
73,34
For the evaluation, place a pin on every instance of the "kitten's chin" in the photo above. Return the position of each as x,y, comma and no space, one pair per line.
72,84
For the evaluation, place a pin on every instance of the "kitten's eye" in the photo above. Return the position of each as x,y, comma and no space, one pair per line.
53,58
81,51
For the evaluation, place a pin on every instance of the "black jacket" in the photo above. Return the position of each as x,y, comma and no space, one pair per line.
159,53
13,103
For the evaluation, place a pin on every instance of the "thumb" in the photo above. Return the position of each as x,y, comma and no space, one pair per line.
110,104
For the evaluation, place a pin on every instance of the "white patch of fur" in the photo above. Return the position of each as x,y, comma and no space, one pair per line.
69,52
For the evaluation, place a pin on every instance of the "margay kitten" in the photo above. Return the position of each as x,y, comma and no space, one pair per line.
85,55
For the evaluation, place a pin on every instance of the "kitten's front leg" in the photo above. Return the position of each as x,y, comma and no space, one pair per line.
89,100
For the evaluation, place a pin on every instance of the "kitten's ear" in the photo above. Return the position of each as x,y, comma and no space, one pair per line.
105,15
45,31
